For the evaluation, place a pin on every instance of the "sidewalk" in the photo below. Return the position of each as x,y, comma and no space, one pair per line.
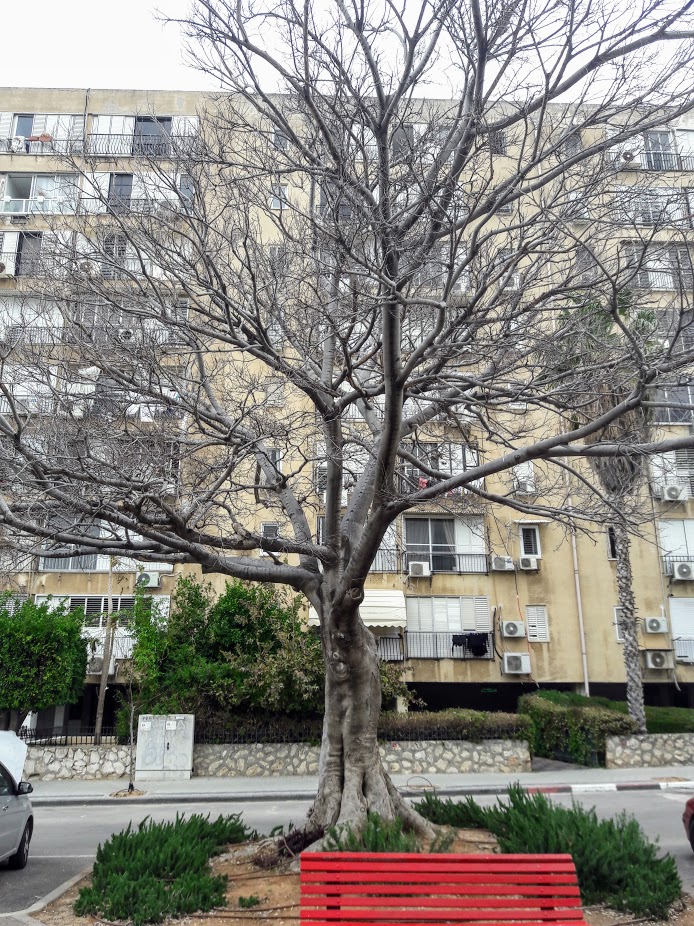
300,787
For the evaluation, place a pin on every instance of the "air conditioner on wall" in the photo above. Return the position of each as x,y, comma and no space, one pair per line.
524,487
528,562
658,659
655,625
503,564
683,572
516,664
512,629
673,492
148,580
418,570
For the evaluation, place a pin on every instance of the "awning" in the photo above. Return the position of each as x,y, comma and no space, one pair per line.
532,521
380,608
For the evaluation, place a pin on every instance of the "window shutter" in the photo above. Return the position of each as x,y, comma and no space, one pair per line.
684,465
483,617
529,544
524,474
618,625
538,629
53,601
6,125
469,535
40,124
8,256
184,126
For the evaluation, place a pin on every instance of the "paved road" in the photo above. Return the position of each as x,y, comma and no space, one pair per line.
66,838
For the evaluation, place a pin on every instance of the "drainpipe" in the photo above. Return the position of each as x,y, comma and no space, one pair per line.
579,598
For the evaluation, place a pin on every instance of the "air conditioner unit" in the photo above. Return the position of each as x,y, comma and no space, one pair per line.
503,564
524,487
516,663
418,570
86,266
148,580
658,659
683,572
95,665
673,492
655,625
528,562
512,629
125,335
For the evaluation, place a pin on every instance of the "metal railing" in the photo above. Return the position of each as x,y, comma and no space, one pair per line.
684,650
70,735
123,642
22,334
126,204
447,561
149,146
28,404
655,160
669,563
20,145
42,205
447,645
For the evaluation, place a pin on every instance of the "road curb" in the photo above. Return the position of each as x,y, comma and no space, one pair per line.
25,916
244,797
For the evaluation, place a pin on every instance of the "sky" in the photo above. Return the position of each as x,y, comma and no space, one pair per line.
87,43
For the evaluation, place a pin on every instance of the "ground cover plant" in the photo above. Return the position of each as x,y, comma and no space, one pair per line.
160,870
616,864
658,719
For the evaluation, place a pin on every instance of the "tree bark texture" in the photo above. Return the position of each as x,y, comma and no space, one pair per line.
352,779
627,603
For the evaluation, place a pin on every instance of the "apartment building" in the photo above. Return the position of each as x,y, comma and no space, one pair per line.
477,603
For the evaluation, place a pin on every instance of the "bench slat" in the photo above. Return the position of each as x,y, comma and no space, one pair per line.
453,913
418,901
338,877
445,867
310,889
472,858
398,922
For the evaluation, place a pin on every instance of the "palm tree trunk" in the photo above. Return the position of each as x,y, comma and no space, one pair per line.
627,603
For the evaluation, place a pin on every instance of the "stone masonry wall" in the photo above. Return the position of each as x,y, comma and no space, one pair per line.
266,759
654,749
50,762
416,758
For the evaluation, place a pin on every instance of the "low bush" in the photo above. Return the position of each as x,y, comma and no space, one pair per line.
615,862
376,835
454,724
562,727
658,719
160,870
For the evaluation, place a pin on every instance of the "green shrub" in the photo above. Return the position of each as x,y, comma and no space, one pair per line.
560,726
615,863
247,903
454,724
160,870
658,719
376,835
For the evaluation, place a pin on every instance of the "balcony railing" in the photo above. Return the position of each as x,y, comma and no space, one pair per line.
655,160
26,404
21,334
436,645
662,279
20,145
447,561
670,562
149,146
123,642
40,205
124,205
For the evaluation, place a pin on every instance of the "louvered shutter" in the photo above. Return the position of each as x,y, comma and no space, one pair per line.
40,124
538,628
184,126
682,626
524,475
684,465
681,263
10,243
5,127
52,601
469,535
483,615
467,612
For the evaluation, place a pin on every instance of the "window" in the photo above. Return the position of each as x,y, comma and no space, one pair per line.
335,201
437,628
278,196
23,124
536,618
497,141
95,607
676,467
657,206
573,144
618,624
530,541
451,459
269,531
665,267
120,191
62,559
6,789
524,478
273,456
447,544
680,404
682,628
280,140
115,254
273,393
152,136
658,151
677,538
611,543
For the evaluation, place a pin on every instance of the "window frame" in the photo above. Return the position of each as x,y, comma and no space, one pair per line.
538,636
617,625
521,539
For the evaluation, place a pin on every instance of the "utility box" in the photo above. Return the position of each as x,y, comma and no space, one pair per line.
164,747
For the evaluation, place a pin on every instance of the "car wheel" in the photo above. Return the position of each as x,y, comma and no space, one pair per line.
21,856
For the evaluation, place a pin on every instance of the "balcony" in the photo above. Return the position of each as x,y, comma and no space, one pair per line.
127,205
147,146
28,404
654,160
41,145
40,205
447,560
670,564
21,334
436,645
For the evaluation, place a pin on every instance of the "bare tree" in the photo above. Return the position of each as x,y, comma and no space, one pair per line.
339,303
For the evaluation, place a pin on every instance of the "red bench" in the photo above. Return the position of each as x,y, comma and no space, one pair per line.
360,889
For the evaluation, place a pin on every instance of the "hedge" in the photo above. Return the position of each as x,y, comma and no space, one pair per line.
563,728
658,719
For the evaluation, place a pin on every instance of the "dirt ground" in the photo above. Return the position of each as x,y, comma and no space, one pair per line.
277,888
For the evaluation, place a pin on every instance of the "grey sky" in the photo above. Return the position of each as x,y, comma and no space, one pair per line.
87,43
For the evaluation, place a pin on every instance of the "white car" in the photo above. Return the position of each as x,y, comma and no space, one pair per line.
16,819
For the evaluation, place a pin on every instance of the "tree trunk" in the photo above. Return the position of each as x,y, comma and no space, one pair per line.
12,720
352,780
632,662
108,648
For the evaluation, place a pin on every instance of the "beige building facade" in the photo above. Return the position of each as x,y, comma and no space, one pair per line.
476,605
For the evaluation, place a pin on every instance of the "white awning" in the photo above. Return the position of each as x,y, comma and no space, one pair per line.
378,609
532,521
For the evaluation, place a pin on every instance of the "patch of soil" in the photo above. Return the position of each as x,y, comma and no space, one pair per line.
602,916
126,793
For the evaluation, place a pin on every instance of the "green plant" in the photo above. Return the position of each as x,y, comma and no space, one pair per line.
566,728
454,723
376,835
616,864
43,656
160,870
247,902
658,719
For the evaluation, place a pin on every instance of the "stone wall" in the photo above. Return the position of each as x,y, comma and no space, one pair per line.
266,759
50,762
416,758
654,750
